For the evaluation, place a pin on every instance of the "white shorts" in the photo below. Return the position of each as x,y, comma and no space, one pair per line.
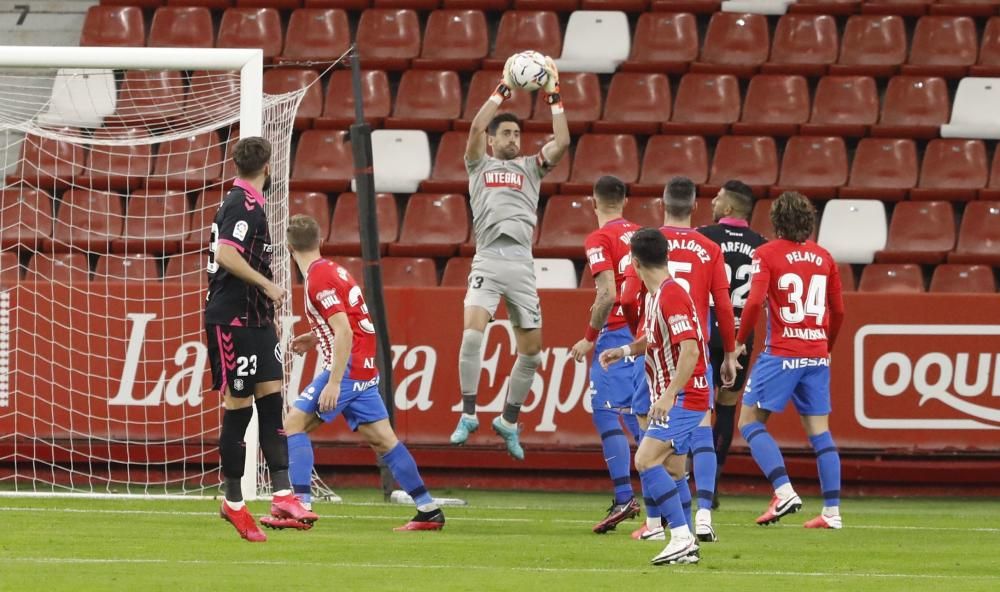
493,277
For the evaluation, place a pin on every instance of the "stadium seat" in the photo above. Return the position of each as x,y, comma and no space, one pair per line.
843,106
252,27
979,234
848,283
853,230
872,45
49,163
401,159
974,113
992,189
637,103
751,159
555,274
284,80
565,224
10,269
156,221
920,232
411,4
181,26
813,165
127,268
340,4
456,272
644,211
200,221
210,4
760,219
705,104
695,6
148,96
427,99
669,156
387,39
531,143
188,268
188,163
521,30
313,204
833,7
448,174
553,5
409,272
914,8
988,63
481,86
882,169
279,4
323,162
88,221
25,217
316,35
581,94
602,154
734,44
345,236
117,166
664,42
210,92
461,40
580,53
963,279
80,98
702,215
775,105
899,278
434,225
914,107
980,8
952,170
623,5
338,108
492,5
113,26
803,44
62,268
943,46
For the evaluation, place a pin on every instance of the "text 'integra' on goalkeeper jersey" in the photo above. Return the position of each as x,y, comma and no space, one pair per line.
738,244
504,198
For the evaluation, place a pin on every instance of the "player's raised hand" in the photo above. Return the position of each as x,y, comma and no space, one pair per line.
552,84
582,349
328,398
610,356
305,343
275,292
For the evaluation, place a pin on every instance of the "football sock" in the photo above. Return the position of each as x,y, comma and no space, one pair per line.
233,450
616,452
521,377
660,491
765,451
706,465
300,465
722,433
470,364
828,463
684,491
632,423
273,442
404,469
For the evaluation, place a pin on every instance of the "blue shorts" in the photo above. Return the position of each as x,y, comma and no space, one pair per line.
774,380
611,388
640,386
360,402
677,429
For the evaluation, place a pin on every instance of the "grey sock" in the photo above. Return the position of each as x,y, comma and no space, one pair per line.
521,377
470,365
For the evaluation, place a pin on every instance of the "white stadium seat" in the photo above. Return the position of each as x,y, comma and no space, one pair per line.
81,98
595,41
757,6
853,230
555,274
401,158
974,114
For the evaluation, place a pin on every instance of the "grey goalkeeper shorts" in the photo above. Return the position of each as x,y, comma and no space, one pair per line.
496,276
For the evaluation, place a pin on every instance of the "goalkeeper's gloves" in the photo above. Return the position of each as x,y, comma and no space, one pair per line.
552,84
501,93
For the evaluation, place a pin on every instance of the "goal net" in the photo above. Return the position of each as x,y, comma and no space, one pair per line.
113,167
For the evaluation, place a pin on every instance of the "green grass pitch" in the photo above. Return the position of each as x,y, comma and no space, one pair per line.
500,541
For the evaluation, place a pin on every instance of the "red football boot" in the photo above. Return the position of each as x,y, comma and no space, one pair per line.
290,506
779,508
243,522
424,521
821,521
282,523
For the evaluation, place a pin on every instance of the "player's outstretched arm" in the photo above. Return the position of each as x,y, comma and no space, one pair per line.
553,151
230,259
475,147
613,355
603,302
341,326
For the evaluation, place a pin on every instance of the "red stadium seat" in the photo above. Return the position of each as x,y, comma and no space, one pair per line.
844,106
702,215
953,170
531,143
963,279
943,46
181,26
200,222
992,190
803,44
696,6
449,174
522,30
211,91
919,232
602,154
113,26
882,169
813,165
637,102
734,44
914,107
553,5
88,221
623,5
25,217
155,222
323,161
669,156
567,221
211,4
988,63
751,159
148,96
456,272
644,211
705,104
411,4
10,268
345,236
188,268
49,163
279,4
760,219
313,204
428,100
252,27
847,281
316,35
581,94
900,7
461,40
409,272
664,42
775,105
128,268
283,80
387,39
188,163
339,4
979,235
434,226
118,166
64,268
872,45
905,278
338,109
493,5
981,8
481,86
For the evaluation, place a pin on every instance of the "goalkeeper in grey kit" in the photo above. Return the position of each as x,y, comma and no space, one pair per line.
504,192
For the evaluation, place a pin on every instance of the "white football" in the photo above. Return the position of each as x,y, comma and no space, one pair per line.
527,70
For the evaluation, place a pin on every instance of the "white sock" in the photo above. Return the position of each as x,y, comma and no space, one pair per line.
681,532
831,511
507,424
703,515
785,491
427,507
652,523
235,505
282,492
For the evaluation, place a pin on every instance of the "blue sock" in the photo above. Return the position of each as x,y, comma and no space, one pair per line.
616,452
828,463
632,423
765,451
661,491
684,489
300,465
706,465
404,469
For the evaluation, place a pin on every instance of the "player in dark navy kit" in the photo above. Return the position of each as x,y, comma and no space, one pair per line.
731,210
242,341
